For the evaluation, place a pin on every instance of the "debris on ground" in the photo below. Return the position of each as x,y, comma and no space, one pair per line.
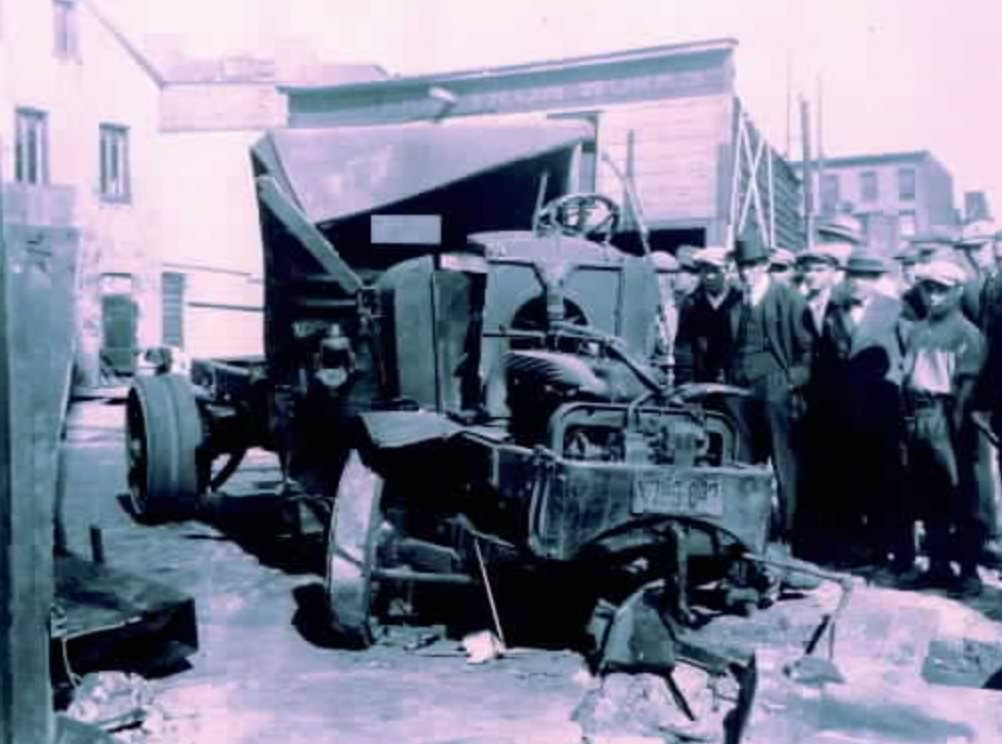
482,646
643,707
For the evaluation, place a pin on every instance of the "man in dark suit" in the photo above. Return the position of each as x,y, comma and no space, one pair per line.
707,322
859,365
822,270
978,481
772,359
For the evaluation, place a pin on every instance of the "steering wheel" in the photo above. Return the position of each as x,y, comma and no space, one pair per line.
574,215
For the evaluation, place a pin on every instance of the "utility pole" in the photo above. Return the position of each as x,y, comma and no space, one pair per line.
821,151
27,480
808,174
789,102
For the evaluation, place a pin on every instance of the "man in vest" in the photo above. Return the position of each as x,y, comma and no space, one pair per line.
772,359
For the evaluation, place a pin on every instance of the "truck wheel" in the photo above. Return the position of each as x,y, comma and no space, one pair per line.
163,431
352,543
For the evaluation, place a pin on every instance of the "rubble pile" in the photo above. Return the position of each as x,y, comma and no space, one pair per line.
643,708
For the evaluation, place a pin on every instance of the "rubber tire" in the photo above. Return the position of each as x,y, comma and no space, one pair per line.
352,543
162,418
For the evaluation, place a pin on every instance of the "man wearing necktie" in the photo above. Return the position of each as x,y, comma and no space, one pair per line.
821,270
771,358
858,363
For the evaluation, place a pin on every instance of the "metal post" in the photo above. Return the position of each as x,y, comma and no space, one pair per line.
25,526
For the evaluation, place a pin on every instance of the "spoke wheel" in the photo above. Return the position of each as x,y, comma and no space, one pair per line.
163,432
352,553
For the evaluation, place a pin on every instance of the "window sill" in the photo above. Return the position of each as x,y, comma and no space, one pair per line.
116,201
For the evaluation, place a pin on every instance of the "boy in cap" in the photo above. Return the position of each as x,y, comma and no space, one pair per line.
945,355
857,373
707,321
772,358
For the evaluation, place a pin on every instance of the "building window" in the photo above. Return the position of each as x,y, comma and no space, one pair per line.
906,184
906,224
114,163
868,186
829,192
172,296
31,146
64,18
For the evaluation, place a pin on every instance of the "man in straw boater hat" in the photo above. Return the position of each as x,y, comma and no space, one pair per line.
772,359
707,321
945,356
858,371
782,264
975,249
840,235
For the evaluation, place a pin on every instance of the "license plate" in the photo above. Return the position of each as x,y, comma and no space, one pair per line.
682,494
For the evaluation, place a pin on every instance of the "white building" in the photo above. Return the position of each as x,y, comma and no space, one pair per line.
143,157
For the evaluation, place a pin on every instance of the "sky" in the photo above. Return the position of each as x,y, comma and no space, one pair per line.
893,74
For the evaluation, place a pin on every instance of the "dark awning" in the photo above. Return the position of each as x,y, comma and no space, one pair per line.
335,173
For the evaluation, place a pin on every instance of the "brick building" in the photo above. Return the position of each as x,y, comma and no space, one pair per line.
894,195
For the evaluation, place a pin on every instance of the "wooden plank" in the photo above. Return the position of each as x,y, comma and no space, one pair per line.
309,237
25,508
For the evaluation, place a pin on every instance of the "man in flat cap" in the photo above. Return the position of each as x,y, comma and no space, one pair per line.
772,359
707,321
687,278
945,356
821,272
858,368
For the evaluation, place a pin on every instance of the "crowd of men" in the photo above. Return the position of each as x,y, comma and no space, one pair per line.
870,390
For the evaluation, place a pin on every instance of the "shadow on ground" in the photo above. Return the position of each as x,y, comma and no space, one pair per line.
281,532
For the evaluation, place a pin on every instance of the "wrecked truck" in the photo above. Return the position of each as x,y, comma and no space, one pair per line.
461,369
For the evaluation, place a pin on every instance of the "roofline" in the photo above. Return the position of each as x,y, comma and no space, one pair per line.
131,49
631,55
874,159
